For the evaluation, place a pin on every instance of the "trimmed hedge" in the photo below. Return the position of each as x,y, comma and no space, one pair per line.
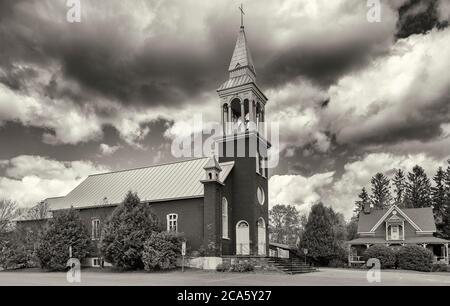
414,257
384,254
240,266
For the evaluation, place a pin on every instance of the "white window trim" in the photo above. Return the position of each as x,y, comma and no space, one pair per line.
225,227
93,222
172,220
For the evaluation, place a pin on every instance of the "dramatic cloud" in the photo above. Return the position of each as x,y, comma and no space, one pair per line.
135,75
403,96
30,179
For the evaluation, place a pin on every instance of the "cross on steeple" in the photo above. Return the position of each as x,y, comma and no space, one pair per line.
241,8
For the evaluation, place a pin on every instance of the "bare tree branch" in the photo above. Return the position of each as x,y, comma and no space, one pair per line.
8,210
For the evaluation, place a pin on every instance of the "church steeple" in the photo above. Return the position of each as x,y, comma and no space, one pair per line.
242,61
242,101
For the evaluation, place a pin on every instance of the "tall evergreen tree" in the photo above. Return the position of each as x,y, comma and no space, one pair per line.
400,185
363,199
319,236
446,210
126,230
418,189
438,197
381,193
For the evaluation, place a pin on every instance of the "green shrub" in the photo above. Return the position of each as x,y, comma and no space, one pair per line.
12,255
414,257
64,230
337,263
384,254
223,267
125,232
242,266
440,267
161,251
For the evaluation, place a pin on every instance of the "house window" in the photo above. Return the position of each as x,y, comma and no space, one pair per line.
96,262
224,218
395,232
172,223
95,229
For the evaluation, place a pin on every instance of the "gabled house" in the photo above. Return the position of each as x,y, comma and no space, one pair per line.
395,227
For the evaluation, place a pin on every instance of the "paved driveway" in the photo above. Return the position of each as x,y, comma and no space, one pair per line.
325,277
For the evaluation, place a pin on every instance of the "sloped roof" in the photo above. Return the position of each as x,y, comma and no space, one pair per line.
422,217
235,82
241,55
164,182
415,240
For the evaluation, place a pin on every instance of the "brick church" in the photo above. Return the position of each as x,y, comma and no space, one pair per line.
219,203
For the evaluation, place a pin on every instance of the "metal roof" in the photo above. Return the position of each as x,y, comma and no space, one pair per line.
235,82
156,183
241,55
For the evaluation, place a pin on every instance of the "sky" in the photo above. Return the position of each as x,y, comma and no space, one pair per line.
113,91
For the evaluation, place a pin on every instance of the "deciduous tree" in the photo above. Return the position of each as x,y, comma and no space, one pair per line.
285,224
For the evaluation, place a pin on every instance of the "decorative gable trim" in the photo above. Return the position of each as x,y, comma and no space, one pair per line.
407,218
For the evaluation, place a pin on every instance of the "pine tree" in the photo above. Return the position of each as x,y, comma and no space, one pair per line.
381,193
125,232
446,209
438,199
400,184
418,189
364,199
319,235
65,230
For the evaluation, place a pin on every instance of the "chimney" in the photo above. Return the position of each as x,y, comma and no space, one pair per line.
367,208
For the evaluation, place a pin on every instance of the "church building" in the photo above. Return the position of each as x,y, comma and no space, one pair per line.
220,203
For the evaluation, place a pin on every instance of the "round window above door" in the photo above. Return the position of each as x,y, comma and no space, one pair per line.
260,195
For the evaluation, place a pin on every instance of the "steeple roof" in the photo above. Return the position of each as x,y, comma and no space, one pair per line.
241,56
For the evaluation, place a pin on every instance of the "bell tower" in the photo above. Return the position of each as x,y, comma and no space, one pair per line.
242,111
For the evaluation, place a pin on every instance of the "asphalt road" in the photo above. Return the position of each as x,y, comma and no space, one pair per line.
325,277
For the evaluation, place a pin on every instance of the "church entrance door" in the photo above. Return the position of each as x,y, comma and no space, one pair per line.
242,238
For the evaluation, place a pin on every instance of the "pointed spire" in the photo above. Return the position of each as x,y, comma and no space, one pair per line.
241,56
212,163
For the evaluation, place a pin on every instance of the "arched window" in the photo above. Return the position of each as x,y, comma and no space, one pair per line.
172,223
224,218
261,224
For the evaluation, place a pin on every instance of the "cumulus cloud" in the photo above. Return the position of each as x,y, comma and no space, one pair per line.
30,179
107,150
402,96
298,190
